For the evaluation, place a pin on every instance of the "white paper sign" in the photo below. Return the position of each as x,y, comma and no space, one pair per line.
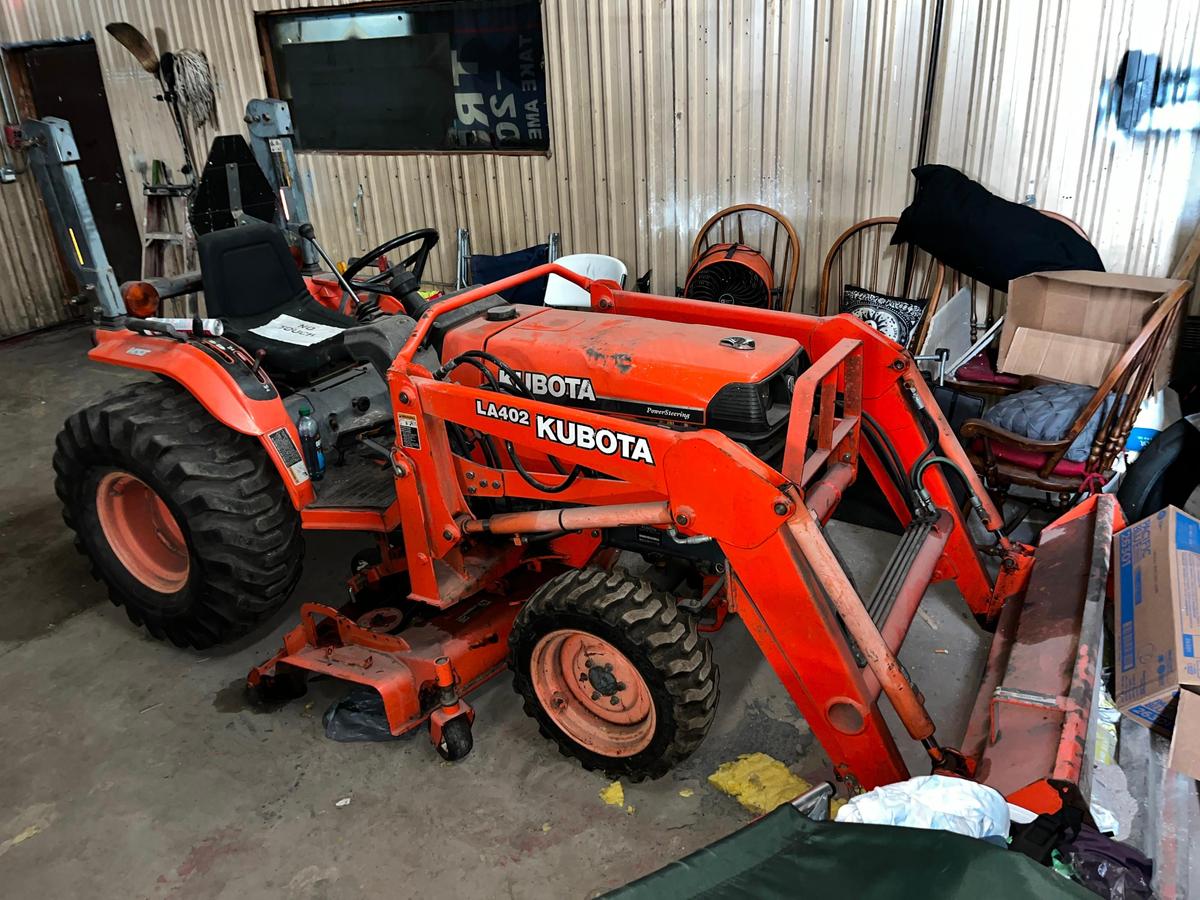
291,330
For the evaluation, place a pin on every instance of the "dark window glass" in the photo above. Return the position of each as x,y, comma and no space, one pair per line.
462,75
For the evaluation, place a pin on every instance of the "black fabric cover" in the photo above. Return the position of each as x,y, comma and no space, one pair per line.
210,208
983,236
250,277
486,269
1108,867
785,855
957,407
894,317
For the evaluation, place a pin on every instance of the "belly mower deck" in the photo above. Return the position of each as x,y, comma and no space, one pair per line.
423,670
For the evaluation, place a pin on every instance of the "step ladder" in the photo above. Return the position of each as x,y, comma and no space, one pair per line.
168,248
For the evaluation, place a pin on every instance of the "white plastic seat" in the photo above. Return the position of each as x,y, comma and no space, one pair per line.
560,292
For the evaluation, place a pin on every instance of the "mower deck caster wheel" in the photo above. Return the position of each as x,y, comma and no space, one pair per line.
456,740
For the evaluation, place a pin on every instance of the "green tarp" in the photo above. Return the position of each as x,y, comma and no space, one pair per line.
786,854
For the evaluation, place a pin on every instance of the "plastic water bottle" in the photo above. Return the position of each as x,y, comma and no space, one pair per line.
310,444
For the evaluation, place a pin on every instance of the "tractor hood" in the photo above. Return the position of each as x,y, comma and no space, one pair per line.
648,368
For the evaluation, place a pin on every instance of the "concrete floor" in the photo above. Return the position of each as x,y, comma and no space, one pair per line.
133,769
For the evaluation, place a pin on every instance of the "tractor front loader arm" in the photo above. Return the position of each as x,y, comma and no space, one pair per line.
797,600
1030,732
896,403
834,648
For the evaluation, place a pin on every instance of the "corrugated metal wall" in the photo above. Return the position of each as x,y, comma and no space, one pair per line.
662,111
1019,108
33,289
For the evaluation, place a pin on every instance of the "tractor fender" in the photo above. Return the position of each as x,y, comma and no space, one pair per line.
224,387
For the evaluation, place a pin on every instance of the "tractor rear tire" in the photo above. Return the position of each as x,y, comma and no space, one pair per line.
186,521
614,673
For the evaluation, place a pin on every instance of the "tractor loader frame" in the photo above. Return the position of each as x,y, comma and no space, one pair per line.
833,648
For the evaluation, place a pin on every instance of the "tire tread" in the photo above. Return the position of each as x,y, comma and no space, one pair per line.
679,654
245,535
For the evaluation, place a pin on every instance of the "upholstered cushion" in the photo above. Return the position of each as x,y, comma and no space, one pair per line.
250,280
979,368
896,317
1030,459
1046,412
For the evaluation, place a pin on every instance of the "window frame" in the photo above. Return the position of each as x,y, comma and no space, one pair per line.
262,21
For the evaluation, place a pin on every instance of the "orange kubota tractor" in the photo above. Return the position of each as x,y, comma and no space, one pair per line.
501,454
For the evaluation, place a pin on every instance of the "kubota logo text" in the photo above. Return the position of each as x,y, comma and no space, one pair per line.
542,384
585,437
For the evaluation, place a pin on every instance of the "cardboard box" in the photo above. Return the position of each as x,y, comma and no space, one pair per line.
1157,624
1099,307
1185,743
1063,356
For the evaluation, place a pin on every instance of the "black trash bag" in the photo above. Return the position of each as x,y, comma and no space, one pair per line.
1109,867
358,716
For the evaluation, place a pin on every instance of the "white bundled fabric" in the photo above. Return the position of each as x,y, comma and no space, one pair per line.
936,802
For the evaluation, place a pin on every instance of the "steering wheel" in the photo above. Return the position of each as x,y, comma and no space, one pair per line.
414,262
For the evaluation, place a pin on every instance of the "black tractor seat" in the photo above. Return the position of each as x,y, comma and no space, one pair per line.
251,280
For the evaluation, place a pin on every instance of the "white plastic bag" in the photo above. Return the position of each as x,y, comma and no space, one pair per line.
933,801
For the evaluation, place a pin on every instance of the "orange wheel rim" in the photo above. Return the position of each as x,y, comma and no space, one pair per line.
593,692
142,533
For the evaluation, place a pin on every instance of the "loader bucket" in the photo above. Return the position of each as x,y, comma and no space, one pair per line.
1032,719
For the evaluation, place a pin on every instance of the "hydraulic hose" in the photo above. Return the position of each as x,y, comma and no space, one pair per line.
476,359
888,455
926,500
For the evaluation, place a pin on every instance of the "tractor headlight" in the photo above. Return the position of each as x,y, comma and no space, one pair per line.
756,406
741,407
141,298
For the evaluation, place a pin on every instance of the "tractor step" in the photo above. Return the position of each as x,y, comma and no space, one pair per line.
902,584
359,485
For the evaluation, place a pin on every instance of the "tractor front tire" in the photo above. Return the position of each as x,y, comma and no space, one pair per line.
614,673
186,521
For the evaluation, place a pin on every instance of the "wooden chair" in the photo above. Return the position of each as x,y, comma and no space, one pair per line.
768,231
864,256
1005,458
